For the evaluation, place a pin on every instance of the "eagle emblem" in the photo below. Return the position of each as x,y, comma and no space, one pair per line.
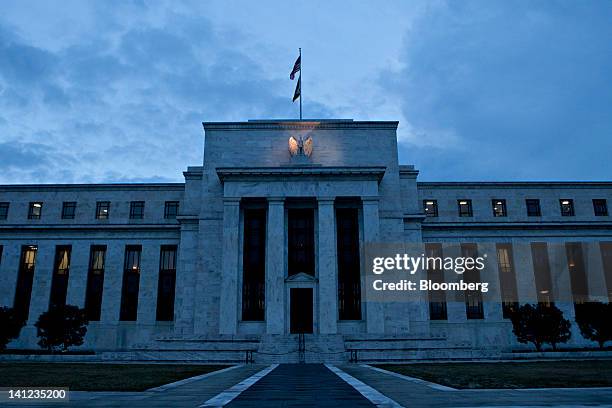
300,147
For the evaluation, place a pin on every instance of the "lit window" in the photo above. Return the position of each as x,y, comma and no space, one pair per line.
137,210
102,210
430,207
600,207
499,208
465,208
567,207
68,210
35,211
533,208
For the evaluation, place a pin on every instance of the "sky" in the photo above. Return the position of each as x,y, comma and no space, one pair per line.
116,91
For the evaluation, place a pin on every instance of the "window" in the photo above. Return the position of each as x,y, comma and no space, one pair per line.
166,283
349,278
473,298
499,208
102,210
4,207
95,282
59,281
430,207
300,234
68,210
507,279
541,271
1,249
577,272
533,207
131,283
254,264
171,209
137,210
35,211
600,207
567,207
23,291
435,273
465,208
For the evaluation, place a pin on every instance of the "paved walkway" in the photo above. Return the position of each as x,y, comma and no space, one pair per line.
292,385
300,385
415,394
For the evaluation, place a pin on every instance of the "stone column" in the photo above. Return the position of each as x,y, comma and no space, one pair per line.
41,285
77,278
328,277
275,267
186,272
113,282
149,277
491,274
228,319
371,227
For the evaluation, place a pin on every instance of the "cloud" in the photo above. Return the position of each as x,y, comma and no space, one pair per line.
129,100
507,90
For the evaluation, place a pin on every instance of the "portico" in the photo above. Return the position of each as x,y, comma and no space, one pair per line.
300,205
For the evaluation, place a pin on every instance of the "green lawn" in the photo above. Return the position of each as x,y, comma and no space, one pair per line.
593,373
97,376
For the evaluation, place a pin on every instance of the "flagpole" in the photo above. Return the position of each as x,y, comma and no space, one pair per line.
301,83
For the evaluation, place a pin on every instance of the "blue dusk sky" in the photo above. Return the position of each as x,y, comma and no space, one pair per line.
105,91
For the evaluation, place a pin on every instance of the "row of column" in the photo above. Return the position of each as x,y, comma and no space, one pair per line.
275,266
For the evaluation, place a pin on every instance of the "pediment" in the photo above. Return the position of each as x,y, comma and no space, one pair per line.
301,277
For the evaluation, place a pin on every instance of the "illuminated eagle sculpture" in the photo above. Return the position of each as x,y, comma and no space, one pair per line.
300,147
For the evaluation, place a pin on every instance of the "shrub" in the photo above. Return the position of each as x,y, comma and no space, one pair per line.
595,321
540,324
61,327
10,326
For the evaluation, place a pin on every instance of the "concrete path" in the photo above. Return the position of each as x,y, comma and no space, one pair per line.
300,385
415,394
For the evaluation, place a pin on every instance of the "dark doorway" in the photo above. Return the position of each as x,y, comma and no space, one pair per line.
301,310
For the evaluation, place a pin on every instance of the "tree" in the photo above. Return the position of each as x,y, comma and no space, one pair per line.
595,321
10,326
540,324
61,327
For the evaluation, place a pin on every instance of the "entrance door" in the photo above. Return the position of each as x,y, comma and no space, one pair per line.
301,310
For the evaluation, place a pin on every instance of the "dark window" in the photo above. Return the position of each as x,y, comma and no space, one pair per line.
102,210
600,207
605,248
131,283
68,210
465,208
1,250
577,272
533,207
171,209
35,211
95,282
507,279
61,272
349,276
430,207
435,273
254,264
541,271
23,291
301,241
137,210
473,298
4,207
567,207
166,284
499,208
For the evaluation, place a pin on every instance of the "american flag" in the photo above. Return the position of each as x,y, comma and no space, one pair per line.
296,67
298,90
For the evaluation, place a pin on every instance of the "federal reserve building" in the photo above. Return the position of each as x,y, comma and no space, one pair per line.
262,252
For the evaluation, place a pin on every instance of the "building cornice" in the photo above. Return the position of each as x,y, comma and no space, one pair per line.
93,187
515,184
539,225
307,124
282,172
